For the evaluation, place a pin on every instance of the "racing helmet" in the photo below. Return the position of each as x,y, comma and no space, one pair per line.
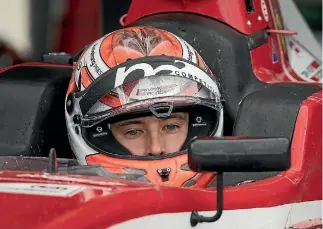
136,72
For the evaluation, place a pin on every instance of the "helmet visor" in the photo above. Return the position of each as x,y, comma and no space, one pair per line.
142,94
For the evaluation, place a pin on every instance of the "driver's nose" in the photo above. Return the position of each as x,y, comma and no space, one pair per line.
156,144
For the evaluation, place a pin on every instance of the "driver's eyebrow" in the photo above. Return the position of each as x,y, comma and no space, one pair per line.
177,116
138,121
130,122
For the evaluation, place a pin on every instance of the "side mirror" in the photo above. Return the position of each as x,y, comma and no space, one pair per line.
235,154
239,154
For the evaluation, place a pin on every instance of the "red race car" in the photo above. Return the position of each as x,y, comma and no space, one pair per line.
268,165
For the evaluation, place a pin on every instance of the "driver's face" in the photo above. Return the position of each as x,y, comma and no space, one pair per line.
152,136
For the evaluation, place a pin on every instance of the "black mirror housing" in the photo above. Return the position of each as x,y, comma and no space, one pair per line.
239,154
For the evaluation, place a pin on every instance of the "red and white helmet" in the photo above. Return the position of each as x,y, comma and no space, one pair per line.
139,71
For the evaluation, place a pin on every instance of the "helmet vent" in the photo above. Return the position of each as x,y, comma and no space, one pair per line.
162,110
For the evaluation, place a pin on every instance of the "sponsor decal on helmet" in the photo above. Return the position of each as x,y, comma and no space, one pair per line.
93,61
178,68
155,90
99,132
199,122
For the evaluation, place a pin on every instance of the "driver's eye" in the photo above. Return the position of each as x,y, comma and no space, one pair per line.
170,127
133,132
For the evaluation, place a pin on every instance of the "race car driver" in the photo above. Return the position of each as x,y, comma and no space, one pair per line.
136,98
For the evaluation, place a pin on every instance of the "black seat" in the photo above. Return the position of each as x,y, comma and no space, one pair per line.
272,111
225,51
32,111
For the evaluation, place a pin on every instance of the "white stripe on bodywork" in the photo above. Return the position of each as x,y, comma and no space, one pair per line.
280,217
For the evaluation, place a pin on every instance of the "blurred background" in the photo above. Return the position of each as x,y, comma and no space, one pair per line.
312,13
29,28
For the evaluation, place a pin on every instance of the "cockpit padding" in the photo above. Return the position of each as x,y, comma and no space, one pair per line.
32,111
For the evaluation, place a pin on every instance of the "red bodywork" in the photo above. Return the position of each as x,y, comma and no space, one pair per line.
81,25
106,202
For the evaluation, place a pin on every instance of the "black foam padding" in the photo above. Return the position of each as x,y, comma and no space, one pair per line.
225,51
237,178
33,163
32,111
272,111
64,166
